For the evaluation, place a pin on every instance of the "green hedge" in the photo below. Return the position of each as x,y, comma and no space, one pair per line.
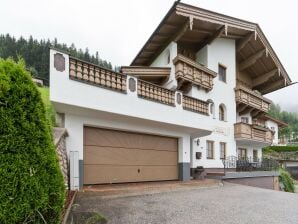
293,148
287,180
31,183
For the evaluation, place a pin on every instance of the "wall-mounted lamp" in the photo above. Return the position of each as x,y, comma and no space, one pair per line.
197,141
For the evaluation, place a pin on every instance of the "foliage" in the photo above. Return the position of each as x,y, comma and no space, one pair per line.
32,188
290,118
287,180
50,112
277,148
36,54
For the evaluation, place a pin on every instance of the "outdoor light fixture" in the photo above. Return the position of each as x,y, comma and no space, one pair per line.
197,141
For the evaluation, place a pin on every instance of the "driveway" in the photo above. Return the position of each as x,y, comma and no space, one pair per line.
227,204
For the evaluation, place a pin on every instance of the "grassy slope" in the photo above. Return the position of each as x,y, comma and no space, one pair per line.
50,112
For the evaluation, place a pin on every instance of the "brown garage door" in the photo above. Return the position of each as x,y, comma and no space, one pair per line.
112,156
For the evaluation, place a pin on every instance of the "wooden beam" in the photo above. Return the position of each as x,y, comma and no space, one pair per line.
211,38
272,86
246,111
251,60
167,42
181,31
241,44
241,108
264,78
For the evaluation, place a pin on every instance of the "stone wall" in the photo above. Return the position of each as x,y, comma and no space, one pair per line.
60,135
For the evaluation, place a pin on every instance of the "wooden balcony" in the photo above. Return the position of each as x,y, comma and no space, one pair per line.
189,72
195,105
251,132
156,93
249,101
96,75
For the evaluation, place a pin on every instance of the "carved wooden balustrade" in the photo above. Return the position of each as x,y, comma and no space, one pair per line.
156,93
195,105
253,132
251,99
96,75
189,72
102,77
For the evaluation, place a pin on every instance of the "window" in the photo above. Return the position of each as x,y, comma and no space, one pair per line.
241,153
210,150
244,120
221,113
255,155
222,73
222,146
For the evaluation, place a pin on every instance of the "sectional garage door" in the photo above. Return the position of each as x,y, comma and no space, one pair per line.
112,156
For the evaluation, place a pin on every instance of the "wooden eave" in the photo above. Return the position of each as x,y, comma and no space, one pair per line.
157,75
280,123
194,27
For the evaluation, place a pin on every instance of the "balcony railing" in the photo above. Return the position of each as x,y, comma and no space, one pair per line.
245,131
190,71
195,105
252,99
102,77
249,164
96,75
156,93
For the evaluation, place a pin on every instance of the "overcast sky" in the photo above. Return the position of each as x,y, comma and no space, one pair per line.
118,29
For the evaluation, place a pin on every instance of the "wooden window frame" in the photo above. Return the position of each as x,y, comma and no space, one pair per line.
207,149
255,159
221,115
224,68
225,150
242,149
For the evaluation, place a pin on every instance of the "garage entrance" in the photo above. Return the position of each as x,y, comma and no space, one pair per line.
112,156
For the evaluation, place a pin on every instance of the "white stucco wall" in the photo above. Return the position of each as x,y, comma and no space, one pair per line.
162,61
74,123
220,51
271,124
248,115
71,92
249,150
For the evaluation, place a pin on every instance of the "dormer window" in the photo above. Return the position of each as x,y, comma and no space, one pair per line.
222,73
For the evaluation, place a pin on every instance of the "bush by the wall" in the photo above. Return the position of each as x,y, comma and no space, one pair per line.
287,180
291,148
31,183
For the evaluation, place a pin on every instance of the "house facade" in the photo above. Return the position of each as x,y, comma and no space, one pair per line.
192,96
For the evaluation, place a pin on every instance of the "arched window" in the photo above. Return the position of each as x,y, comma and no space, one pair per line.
211,108
222,112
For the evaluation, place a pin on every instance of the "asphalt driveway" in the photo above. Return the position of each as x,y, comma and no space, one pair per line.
227,204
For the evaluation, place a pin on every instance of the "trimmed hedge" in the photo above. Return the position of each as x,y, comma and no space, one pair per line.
32,188
287,180
293,148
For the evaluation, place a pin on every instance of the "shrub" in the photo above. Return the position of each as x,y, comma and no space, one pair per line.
50,112
32,188
291,148
287,180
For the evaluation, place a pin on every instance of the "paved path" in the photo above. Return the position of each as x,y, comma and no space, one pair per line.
228,204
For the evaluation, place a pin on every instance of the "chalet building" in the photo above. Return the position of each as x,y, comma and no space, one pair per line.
191,97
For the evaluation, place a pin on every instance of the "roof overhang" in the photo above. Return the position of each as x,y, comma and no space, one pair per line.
280,123
193,28
157,75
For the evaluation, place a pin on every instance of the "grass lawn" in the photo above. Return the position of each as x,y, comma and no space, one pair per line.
50,112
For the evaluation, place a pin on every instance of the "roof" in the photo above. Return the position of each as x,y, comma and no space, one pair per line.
280,123
193,27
